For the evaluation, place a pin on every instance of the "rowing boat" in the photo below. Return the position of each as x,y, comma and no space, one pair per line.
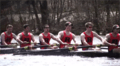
6,50
61,52
88,53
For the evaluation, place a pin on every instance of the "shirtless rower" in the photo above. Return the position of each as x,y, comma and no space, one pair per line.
45,38
7,36
26,37
67,36
87,36
112,40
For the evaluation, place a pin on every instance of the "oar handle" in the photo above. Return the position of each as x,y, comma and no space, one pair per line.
105,45
27,47
9,46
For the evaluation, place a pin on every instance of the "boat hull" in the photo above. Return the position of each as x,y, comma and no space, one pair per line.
71,53
57,52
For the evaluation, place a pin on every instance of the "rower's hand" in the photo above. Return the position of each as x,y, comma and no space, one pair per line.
25,42
76,44
55,47
75,48
113,44
98,45
96,48
52,45
5,44
35,43
65,43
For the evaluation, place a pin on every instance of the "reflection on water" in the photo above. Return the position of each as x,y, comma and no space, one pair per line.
39,60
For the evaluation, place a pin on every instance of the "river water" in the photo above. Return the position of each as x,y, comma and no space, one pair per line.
40,60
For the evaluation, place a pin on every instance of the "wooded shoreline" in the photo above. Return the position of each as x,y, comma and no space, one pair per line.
36,13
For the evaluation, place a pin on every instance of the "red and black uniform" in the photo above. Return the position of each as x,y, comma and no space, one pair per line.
66,38
47,40
27,38
8,39
89,39
114,40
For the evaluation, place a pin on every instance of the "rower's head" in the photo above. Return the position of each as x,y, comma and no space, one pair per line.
46,28
89,26
9,28
26,27
115,28
68,25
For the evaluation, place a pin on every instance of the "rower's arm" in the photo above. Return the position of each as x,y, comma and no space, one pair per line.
107,38
97,36
19,38
58,40
3,39
42,40
33,39
14,36
74,38
119,39
83,41
60,35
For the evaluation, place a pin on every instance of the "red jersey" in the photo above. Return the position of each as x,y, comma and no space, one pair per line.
89,39
27,38
47,39
113,40
66,38
8,39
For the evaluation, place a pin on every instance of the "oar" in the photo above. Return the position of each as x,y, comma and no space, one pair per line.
12,45
103,48
27,47
99,45
69,48
52,50
8,46
55,44
106,46
90,46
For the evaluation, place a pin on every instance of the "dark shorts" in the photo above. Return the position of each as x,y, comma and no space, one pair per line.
111,51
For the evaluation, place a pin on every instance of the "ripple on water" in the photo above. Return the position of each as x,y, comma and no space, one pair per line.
39,60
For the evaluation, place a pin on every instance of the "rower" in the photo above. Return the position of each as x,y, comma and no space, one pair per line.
26,37
45,37
112,40
87,36
67,36
7,36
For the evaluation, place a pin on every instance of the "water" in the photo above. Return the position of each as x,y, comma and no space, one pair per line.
40,60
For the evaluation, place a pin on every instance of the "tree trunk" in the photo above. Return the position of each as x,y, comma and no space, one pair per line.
108,12
119,13
44,12
96,22
37,18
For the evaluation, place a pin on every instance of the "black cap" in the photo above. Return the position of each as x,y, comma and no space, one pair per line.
25,25
68,23
115,27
